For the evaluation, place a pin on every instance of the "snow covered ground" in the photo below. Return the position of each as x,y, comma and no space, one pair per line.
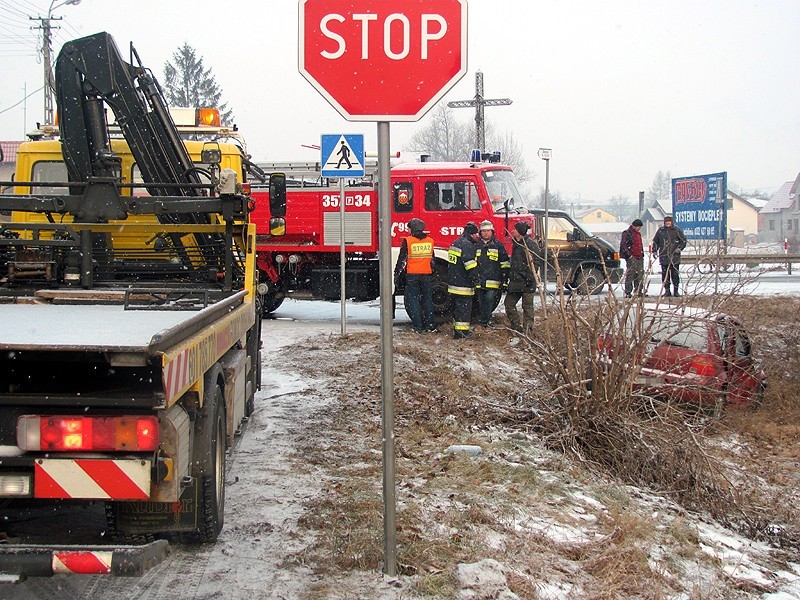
268,484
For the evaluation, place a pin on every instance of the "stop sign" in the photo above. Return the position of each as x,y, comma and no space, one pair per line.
375,60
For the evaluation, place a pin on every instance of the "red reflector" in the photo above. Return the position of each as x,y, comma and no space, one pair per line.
70,433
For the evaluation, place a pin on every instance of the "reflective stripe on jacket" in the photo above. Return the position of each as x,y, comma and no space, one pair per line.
493,263
462,270
420,255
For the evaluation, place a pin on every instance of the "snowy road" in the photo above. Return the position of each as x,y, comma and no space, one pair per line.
253,557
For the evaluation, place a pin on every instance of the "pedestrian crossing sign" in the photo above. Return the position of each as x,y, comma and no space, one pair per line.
342,155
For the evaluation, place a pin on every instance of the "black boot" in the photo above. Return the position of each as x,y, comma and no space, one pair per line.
666,292
675,292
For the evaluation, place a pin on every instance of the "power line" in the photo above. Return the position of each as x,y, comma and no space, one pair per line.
12,9
22,4
14,37
21,101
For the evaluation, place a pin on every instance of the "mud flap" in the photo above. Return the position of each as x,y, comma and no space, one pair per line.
142,518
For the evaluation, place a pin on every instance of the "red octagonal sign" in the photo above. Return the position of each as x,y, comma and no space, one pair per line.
379,60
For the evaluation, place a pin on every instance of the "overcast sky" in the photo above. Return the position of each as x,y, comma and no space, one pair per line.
620,90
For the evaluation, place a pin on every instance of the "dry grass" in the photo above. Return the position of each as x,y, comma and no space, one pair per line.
455,509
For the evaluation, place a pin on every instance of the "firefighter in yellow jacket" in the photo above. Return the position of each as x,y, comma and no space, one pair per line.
416,260
463,276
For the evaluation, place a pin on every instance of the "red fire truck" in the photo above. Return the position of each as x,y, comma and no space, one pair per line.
305,262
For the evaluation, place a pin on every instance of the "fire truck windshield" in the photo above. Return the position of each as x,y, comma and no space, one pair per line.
502,188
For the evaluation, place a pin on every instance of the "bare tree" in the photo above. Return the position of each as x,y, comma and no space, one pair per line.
554,200
444,138
660,190
621,207
511,152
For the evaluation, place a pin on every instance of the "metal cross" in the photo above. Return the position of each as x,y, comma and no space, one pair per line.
479,102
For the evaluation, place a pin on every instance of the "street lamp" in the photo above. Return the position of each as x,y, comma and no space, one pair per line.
47,49
546,154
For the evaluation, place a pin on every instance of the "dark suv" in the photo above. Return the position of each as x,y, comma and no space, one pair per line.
586,262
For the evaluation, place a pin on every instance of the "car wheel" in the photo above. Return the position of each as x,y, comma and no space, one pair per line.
589,280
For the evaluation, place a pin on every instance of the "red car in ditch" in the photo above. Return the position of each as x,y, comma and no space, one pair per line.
685,354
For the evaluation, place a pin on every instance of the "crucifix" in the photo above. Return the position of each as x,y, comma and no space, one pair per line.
479,102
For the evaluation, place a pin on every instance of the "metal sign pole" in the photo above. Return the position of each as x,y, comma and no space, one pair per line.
342,155
387,351
722,192
546,154
342,287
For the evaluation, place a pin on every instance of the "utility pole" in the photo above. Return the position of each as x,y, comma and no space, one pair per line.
479,102
47,51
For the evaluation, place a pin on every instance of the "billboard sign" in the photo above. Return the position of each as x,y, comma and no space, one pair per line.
699,207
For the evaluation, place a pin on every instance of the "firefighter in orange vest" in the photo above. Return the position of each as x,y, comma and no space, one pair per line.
416,260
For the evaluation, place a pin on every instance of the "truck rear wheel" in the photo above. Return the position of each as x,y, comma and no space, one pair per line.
271,295
270,302
209,467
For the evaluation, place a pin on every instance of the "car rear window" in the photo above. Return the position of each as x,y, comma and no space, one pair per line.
676,330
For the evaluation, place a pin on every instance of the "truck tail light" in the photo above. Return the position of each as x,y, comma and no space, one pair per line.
703,366
82,434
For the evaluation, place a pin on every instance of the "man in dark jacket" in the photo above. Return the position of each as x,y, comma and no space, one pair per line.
493,265
525,258
667,245
462,278
416,261
631,249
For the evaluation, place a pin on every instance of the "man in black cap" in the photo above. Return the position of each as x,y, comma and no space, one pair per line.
631,249
526,258
462,278
416,261
667,245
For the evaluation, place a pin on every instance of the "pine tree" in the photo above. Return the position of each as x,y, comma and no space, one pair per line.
188,83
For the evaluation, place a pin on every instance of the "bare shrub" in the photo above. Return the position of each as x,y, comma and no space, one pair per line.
590,353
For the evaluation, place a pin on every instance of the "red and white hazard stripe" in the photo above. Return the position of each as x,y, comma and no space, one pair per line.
176,375
82,562
124,479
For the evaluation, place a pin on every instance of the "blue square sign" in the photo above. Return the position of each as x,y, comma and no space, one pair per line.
342,155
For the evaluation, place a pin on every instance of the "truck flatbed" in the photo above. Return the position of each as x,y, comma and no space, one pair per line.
88,327
82,327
